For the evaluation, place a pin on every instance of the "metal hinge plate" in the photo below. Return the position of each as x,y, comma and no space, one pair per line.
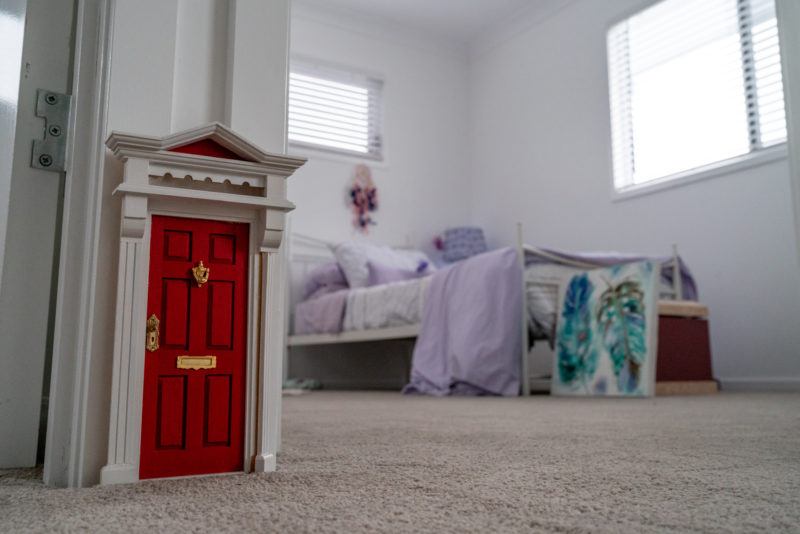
50,153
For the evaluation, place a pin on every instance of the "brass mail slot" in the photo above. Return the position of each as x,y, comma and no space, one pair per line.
197,362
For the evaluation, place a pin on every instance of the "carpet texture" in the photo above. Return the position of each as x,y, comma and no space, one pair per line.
381,462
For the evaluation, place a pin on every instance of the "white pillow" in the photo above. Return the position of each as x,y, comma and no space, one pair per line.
353,256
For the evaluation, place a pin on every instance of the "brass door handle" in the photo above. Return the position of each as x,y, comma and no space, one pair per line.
151,342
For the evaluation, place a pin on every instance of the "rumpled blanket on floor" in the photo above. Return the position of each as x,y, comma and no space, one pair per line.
470,339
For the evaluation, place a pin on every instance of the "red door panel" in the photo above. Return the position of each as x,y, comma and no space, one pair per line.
222,247
175,295
177,245
193,419
218,410
221,313
171,412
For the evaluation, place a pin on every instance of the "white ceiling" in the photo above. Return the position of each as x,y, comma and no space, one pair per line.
456,20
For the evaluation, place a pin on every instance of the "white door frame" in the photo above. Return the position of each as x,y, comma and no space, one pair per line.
789,31
30,214
83,198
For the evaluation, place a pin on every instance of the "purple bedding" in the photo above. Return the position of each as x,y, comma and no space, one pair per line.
470,339
320,315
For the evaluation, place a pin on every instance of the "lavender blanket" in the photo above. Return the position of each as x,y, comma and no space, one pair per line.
470,339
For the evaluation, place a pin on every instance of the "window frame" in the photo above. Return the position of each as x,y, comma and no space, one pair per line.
717,169
318,67
755,157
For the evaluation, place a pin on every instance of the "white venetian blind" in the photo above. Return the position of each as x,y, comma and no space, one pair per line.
765,84
334,109
693,83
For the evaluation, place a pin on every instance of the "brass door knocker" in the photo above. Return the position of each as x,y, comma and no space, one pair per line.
200,274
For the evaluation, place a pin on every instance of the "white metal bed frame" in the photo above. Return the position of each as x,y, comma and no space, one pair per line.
315,258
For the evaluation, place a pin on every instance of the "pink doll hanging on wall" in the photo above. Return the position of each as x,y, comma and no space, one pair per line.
364,198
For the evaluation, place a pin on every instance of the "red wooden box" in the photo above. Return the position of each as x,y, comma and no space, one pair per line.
683,364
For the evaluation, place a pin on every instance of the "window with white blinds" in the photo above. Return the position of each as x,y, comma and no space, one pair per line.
693,84
334,109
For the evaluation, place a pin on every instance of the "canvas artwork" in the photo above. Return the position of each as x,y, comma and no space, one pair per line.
607,332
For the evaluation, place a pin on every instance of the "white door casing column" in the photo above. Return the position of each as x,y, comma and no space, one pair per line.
126,401
271,375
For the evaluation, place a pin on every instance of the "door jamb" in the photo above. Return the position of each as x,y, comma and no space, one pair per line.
83,200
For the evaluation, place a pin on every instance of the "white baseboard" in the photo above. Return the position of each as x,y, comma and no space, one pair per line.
760,384
265,463
119,474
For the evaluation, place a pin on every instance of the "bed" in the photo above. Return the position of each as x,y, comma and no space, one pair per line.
395,310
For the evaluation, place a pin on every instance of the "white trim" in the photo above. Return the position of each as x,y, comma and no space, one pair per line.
713,170
157,149
760,384
354,336
271,368
789,33
313,153
337,154
83,198
208,196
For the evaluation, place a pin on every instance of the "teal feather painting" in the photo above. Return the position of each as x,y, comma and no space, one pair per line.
607,332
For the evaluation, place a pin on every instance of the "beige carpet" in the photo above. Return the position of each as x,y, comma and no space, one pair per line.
381,462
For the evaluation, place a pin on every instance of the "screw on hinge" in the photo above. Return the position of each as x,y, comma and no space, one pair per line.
54,130
51,98
45,160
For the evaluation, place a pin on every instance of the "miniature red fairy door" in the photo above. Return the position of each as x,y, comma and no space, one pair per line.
194,373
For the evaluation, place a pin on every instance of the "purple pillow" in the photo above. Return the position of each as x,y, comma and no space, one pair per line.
324,279
382,274
461,243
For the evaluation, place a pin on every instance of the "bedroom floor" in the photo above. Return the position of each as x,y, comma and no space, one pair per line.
382,462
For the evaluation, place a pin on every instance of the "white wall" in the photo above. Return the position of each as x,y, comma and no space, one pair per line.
422,182
423,185
541,145
200,63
